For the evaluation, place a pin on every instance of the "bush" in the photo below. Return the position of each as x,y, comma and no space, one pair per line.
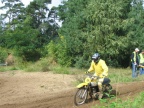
3,54
42,65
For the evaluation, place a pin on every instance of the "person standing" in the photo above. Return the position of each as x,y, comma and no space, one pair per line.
100,69
141,62
135,62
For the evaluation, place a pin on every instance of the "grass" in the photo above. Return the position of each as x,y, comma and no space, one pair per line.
137,102
123,75
8,68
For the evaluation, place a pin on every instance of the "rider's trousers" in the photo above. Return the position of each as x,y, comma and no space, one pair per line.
100,81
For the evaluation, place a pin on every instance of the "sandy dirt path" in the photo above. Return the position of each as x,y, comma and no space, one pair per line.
46,90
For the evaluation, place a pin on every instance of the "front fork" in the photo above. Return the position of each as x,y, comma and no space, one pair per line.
83,93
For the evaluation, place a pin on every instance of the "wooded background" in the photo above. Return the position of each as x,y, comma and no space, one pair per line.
113,28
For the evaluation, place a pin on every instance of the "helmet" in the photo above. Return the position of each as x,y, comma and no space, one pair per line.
96,57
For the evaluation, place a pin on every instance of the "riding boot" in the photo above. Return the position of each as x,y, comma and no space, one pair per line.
100,88
100,93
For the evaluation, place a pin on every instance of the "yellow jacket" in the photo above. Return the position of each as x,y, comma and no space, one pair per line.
133,57
141,58
100,68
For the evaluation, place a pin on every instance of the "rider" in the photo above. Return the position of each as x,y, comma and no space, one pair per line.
101,70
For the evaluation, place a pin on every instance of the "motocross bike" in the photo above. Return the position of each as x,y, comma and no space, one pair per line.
90,86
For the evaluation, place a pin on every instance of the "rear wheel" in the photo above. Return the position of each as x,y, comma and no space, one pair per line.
108,90
80,96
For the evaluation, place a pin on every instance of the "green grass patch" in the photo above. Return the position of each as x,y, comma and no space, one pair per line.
119,75
137,102
8,68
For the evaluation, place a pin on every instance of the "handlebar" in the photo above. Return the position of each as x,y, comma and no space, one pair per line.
92,76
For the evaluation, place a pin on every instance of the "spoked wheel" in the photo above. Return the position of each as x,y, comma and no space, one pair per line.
80,96
108,90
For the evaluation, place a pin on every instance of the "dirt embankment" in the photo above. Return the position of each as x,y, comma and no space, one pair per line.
47,90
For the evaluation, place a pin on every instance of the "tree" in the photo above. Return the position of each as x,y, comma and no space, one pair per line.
14,9
136,27
29,28
96,26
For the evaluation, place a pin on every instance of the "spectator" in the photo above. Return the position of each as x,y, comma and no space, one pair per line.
141,62
135,62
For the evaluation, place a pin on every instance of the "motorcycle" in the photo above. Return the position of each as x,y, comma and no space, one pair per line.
90,86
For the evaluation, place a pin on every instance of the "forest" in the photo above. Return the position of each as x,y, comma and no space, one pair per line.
113,28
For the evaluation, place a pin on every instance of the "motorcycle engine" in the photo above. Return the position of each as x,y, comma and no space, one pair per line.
93,84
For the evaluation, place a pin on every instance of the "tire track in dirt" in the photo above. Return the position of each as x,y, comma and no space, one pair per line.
64,99
33,93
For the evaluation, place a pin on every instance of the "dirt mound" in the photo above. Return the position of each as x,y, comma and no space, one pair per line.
47,90
9,60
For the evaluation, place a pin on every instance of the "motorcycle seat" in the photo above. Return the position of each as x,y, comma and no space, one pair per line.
106,81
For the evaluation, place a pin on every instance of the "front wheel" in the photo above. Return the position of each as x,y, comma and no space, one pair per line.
81,96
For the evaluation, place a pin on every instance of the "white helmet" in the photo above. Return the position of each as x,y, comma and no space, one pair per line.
96,57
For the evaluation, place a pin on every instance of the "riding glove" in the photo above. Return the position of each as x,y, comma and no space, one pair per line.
87,72
102,76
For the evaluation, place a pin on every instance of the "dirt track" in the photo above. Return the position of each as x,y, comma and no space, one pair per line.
47,90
